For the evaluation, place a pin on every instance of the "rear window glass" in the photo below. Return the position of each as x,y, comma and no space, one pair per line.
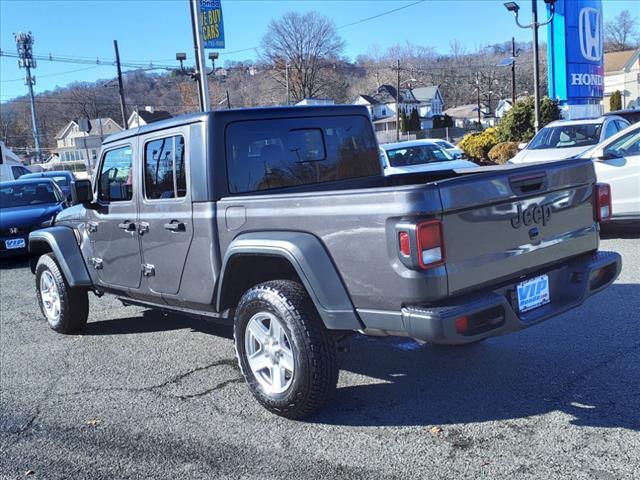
267,154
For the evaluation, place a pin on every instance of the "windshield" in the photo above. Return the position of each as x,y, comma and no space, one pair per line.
417,155
62,181
566,136
444,144
21,195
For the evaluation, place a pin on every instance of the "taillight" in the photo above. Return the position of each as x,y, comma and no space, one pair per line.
603,202
430,246
405,243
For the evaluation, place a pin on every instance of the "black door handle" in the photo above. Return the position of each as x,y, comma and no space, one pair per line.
127,226
175,226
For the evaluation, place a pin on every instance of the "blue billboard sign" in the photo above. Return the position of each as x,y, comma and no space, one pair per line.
212,28
576,53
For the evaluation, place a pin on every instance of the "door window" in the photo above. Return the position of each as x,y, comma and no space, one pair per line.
612,129
627,145
115,182
19,171
165,175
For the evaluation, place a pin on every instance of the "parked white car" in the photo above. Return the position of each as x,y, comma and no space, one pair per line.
418,156
617,162
449,147
11,167
568,138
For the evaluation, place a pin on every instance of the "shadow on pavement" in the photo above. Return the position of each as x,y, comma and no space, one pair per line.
156,321
12,263
619,230
568,364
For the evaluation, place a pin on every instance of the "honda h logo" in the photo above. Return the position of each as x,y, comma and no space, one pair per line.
13,230
590,29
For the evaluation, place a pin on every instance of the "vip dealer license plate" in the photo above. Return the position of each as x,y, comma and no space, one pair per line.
533,293
14,243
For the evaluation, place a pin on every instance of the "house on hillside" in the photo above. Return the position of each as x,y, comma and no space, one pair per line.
386,101
146,116
431,101
622,72
72,144
466,116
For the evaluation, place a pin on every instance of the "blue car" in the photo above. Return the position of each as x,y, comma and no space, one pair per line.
26,205
63,179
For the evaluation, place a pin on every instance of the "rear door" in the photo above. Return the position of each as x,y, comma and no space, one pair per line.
506,222
166,225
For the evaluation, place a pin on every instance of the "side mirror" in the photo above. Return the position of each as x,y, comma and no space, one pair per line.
81,192
522,146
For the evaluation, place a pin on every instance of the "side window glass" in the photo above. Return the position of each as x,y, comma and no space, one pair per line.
164,175
612,129
17,172
115,182
627,145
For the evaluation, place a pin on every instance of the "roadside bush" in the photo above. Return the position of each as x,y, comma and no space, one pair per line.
477,145
518,123
615,102
502,152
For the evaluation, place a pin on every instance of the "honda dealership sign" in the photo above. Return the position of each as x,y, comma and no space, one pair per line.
576,49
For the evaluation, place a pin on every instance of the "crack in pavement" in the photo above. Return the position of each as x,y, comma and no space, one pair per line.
568,385
46,394
230,362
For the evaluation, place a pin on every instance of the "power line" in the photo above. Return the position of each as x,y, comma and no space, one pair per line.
357,22
54,74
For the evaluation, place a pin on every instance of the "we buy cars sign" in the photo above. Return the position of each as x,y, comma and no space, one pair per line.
212,28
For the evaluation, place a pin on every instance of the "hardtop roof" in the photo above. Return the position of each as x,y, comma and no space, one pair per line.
238,114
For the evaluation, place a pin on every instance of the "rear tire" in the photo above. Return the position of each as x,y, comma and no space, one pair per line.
65,308
287,356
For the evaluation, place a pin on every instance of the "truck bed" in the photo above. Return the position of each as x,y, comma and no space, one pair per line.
477,208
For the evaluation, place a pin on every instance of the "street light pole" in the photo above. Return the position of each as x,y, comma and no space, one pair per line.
513,71
536,72
534,25
200,73
398,103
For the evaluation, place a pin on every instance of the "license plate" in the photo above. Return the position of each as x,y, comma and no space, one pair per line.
15,243
533,293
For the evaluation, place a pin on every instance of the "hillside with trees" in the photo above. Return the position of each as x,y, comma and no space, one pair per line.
303,51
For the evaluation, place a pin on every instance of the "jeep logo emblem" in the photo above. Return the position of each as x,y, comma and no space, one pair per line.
531,214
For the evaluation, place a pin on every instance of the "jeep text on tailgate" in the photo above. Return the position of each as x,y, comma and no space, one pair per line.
278,221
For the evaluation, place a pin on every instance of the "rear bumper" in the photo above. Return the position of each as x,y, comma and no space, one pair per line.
495,312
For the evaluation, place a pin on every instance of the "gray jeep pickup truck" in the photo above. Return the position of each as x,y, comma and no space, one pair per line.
280,222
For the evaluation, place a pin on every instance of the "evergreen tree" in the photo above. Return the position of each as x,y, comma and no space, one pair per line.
615,102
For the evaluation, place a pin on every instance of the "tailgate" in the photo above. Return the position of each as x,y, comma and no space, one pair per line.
507,222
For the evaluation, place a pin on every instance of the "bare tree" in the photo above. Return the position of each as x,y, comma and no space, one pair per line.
621,32
305,45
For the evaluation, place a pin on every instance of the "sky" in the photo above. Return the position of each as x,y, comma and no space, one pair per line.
154,30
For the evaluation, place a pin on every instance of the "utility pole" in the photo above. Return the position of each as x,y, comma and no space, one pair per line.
478,90
513,72
398,102
200,73
286,76
123,107
24,44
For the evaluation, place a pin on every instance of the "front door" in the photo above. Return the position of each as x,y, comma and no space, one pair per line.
165,221
112,226
620,168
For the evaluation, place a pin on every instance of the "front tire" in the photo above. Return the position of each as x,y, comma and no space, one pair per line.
286,355
65,308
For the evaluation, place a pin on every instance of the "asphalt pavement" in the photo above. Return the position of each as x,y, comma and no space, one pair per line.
144,395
